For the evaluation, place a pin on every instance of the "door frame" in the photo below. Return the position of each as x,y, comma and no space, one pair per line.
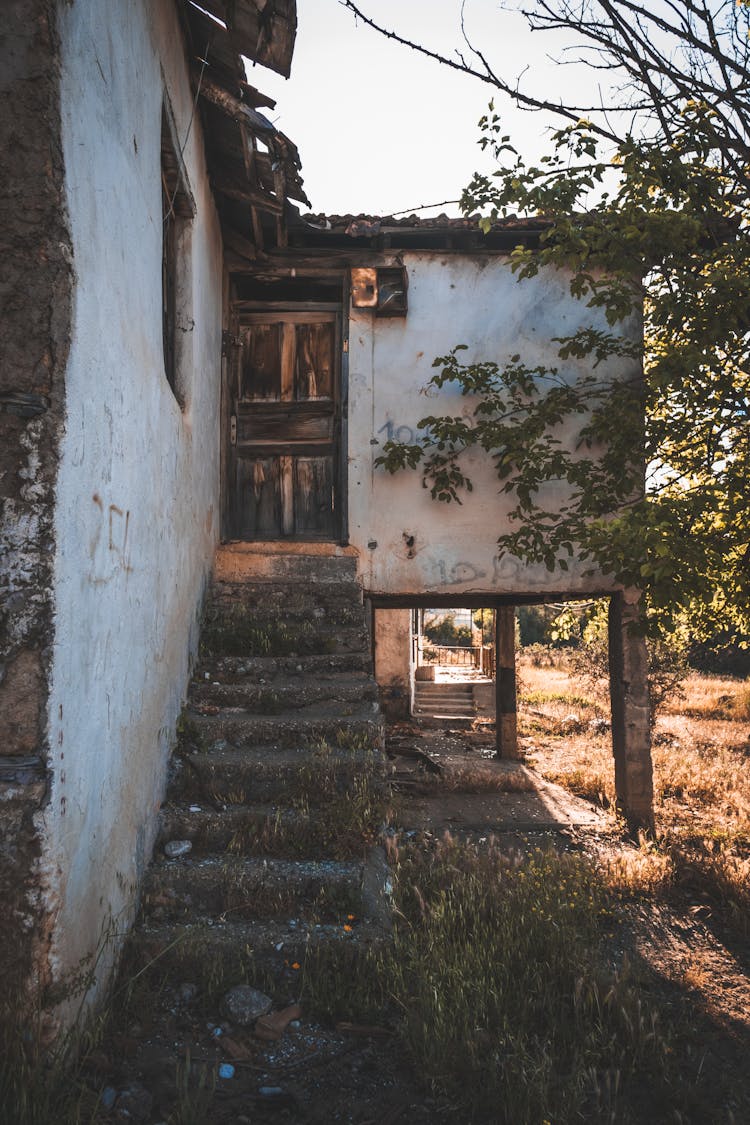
340,417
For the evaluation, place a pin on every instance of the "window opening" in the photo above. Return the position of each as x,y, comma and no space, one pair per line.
178,210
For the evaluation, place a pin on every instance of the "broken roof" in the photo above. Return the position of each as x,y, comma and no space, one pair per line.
254,168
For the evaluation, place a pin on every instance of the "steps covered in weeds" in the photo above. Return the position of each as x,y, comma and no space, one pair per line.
268,841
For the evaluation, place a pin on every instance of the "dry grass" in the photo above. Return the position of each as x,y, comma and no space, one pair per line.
701,746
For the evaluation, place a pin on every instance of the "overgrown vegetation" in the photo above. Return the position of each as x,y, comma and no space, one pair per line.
700,747
236,632
500,986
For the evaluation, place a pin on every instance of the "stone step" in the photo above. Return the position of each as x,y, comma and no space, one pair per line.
445,709
286,596
273,637
239,829
285,692
265,774
440,696
442,690
347,724
252,888
296,616
238,565
229,669
236,950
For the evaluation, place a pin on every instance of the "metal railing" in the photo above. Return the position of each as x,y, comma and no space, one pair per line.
453,655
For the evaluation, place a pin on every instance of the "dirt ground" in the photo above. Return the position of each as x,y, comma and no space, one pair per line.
446,781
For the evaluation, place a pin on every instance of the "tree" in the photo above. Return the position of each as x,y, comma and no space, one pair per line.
646,198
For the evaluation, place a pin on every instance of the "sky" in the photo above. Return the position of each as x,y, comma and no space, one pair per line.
381,129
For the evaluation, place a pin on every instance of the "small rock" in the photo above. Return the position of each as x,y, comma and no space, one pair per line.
134,1103
244,1005
195,808
187,993
108,1096
571,724
226,1070
176,848
274,1025
220,744
599,726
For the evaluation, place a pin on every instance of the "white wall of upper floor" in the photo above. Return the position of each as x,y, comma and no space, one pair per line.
454,298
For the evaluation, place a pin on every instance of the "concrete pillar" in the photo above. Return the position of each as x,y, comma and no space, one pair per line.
506,719
392,633
631,728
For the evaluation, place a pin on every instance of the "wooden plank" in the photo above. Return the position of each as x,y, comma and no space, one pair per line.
239,244
314,366
313,496
254,427
260,374
279,306
288,317
236,189
256,449
287,495
243,114
288,349
264,32
258,498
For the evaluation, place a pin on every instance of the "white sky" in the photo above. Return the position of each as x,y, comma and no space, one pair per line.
380,128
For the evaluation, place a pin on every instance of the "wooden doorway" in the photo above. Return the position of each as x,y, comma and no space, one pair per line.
285,427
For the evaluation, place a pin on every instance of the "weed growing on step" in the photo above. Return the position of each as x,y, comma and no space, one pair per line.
195,1094
237,634
189,735
497,983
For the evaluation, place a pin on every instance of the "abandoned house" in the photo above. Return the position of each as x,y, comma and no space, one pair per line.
187,362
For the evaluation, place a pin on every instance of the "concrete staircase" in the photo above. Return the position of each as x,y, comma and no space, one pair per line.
440,703
268,837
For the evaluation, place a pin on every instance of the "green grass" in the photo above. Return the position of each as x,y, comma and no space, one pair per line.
536,698
498,986
236,633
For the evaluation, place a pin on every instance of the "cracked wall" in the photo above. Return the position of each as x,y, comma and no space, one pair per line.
35,302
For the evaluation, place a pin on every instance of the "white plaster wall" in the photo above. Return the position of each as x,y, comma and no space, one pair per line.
453,299
138,485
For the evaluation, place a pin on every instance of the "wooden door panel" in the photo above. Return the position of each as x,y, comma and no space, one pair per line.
313,371
258,498
313,496
290,426
285,426
260,363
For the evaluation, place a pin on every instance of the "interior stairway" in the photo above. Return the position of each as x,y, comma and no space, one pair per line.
268,836
437,703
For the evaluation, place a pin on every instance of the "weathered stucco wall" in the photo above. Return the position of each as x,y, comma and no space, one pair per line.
409,543
35,315
137,493
393,665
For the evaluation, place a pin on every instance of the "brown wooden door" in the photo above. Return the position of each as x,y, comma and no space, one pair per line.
285,427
